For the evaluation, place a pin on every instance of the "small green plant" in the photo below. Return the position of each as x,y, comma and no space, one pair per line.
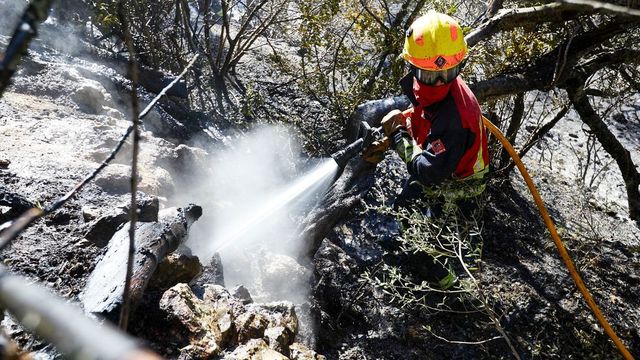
454,241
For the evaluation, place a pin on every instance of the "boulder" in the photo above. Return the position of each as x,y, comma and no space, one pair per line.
175,268
279,338
251,325
243,294
282,275
203,324
211,274
255,349
90,96
301,352
115,179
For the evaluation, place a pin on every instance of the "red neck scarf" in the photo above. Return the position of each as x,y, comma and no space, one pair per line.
427,95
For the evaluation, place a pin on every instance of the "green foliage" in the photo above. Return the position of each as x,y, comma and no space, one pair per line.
251,101
350,49
106,13
452,240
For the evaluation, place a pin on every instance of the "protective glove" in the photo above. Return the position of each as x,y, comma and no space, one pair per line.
375,152
393,122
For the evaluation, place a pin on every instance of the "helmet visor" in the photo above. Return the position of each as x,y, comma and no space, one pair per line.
432,77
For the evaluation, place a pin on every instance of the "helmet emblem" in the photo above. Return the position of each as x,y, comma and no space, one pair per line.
440,61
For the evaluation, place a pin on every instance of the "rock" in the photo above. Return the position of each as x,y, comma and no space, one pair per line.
243,294
203,323
90,96
187,157
158,181
211,274
101,230
282,313
197,352
279,338
60,217
14,201
164,126
115,179
4,163
175,268
282,275
337,282
148,207
251,325
301,352
255,349
89,213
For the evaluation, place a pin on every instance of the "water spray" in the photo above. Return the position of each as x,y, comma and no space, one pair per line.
366,136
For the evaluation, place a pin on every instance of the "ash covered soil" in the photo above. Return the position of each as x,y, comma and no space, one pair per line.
65,113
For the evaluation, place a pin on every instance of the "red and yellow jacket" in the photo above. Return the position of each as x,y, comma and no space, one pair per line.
446,123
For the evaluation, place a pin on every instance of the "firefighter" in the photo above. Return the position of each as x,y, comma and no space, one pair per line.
441,138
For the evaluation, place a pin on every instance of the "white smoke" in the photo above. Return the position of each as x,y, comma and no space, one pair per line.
253,196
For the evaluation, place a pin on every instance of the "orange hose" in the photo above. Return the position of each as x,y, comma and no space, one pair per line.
556,239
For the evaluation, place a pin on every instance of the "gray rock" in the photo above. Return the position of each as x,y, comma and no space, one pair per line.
301,352
213,274
175,268
90,97
251,325
243,294
115,179
255,349
102,229
203,324
279,338
283,275
283,314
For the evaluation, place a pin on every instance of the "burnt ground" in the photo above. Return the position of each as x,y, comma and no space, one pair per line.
522,277
53,140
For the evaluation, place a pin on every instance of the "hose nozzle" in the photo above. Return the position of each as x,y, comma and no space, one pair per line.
366,136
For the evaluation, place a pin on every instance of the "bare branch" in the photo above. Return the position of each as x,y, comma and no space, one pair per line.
605,7
123,14
554,12
611,145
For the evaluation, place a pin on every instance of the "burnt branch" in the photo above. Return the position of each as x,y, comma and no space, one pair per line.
124,15
25,31
610,144
537,135
558,12
539,74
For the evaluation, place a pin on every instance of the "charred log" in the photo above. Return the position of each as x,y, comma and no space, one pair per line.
154,240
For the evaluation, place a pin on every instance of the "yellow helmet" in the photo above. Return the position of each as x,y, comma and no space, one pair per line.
434,42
